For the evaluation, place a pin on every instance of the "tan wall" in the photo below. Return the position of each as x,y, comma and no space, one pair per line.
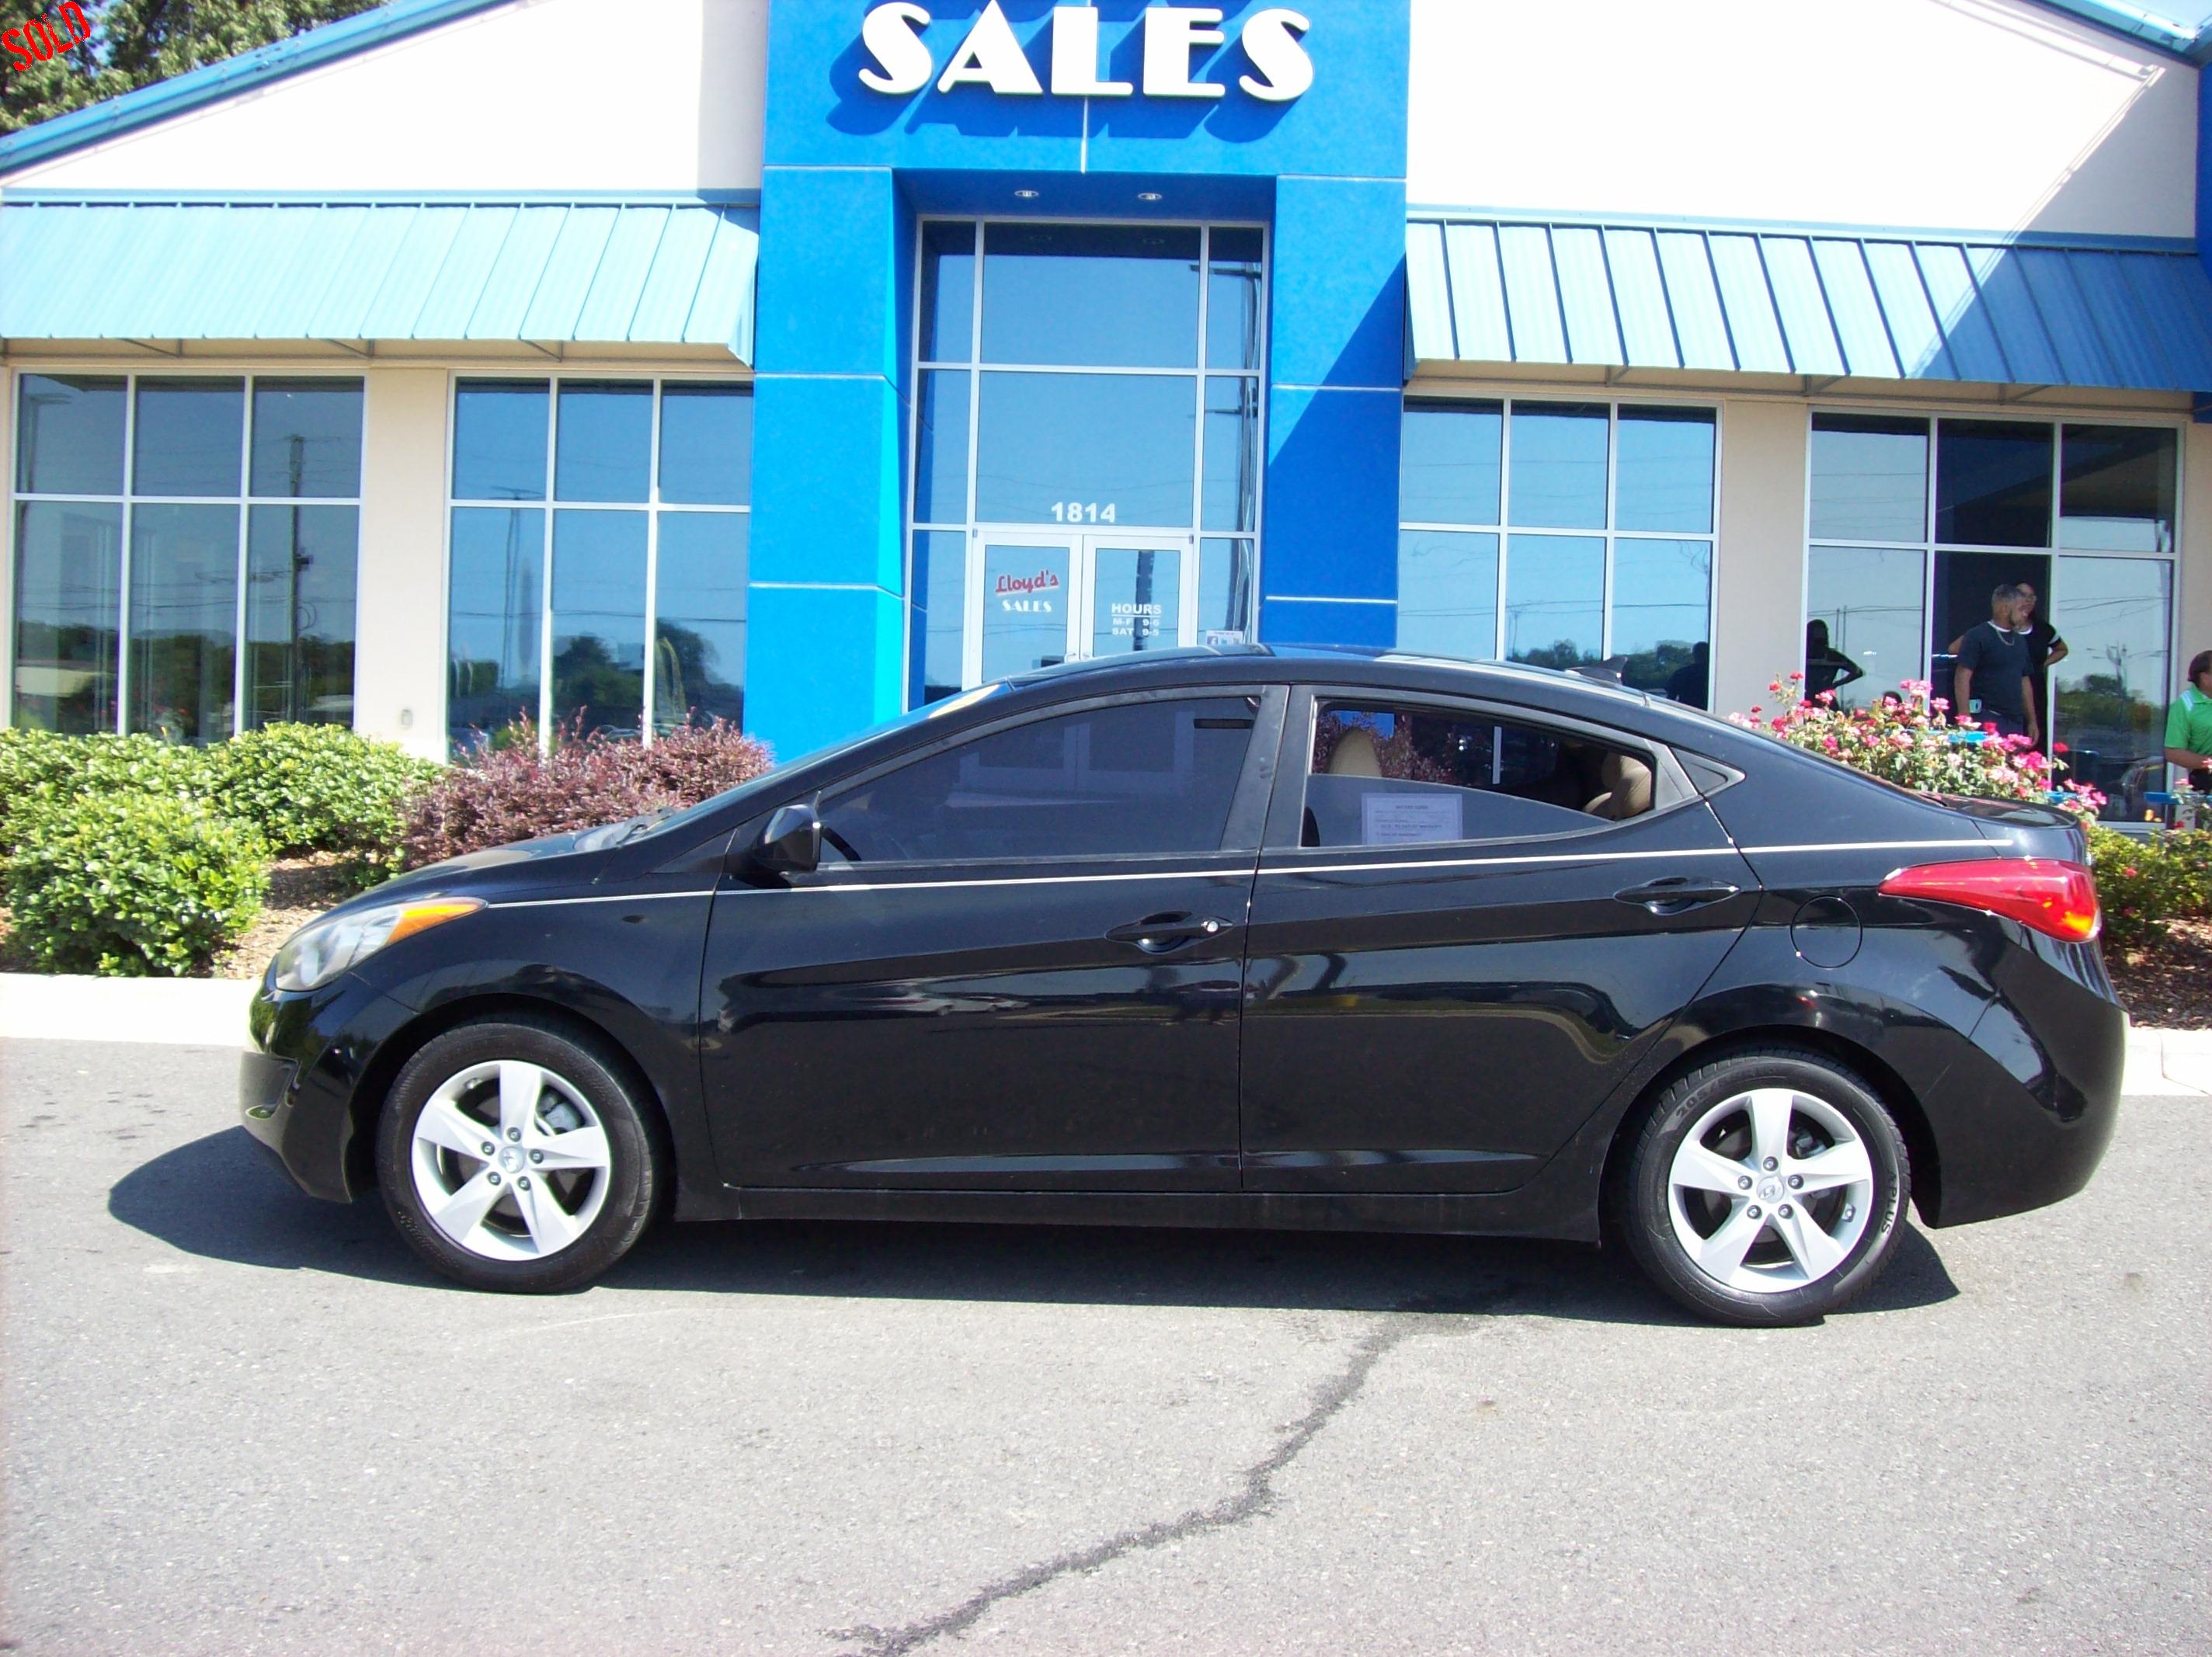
399,658
7,548
1758,586
2193,628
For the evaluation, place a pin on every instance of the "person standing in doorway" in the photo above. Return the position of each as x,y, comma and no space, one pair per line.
1991,678
2188,725
1826,668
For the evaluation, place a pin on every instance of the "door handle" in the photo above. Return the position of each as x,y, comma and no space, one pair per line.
1676,894
1158,934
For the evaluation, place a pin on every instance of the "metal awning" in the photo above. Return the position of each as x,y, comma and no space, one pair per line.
539,273
1811,302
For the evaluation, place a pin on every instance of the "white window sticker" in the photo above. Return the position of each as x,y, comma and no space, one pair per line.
1408,819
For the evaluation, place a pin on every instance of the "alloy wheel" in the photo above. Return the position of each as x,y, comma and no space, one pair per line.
1770,1191
510,1161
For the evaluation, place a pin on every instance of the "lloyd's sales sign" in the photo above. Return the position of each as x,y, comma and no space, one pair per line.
901,62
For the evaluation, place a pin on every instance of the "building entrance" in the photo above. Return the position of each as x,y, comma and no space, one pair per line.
1038,599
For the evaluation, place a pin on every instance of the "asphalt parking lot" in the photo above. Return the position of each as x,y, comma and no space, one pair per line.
240,1421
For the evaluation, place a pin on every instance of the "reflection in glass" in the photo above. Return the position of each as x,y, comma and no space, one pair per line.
1225,591
1233,314
1232,453
184,621
599,622
1448,462
940,476
188,437
699,624
1666,480
1089,443
1558,465
2115,489
1107,295
1661,613
492,633
1869,478
499,440
307,437
1554,597
1136,601
2110,689
1026,600
1872,601
69,434
68,567
1993,484
948,291
300,567
603,450
706,445
940,621
1447,594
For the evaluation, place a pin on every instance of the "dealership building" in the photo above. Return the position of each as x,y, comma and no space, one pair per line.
621,363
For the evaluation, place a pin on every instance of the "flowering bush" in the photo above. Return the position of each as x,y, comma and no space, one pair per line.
504,793
2143,884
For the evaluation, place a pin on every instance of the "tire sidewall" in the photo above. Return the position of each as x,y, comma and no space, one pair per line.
632,1164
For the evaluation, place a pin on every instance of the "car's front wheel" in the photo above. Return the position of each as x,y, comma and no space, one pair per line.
513,1157
1764,1188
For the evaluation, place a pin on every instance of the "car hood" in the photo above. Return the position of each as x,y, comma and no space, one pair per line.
480,868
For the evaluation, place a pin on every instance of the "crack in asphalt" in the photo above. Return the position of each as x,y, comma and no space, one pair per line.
1254,1496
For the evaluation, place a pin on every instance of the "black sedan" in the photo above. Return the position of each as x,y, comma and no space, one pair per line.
1248,937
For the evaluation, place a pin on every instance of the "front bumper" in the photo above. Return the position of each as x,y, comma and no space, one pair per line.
299,1082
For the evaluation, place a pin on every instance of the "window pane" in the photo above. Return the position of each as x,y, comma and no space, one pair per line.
1094,444
492,636
1863,616
1869,478
2110,689
1447,594
1662,594
69,566
1155,778
307,437
1964,581
603,450
940,575
184,621
1384,775
2115,489
1447,462
706,446
188,436
699,625
1666,470
1136,599
1104,295
1555,599
598,621
1225,591
940,479
300,567
1232,453
499,440
1233,301
948,292
69,438
1558,465
1993,483
1025,615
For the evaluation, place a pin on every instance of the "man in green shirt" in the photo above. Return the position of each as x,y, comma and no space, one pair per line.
2188,725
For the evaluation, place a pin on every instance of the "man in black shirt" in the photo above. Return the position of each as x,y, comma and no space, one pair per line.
1993,665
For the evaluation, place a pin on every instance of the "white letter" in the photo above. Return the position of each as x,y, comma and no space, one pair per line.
990,57
1171,32
1075,55
1270,41
893,35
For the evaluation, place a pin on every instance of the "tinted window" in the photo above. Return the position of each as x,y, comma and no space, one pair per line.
1869,478
499,440
70,439
1150,778
1559,465
1448,462
307,437
1993,484
189,437
1666,480
1394,775
1109,295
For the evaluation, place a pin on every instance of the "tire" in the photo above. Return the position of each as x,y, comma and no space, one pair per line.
1711,1221
515,1157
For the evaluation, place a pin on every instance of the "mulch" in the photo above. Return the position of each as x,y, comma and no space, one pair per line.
2170,986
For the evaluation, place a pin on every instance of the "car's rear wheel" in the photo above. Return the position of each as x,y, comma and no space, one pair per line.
513,1157
1766,1187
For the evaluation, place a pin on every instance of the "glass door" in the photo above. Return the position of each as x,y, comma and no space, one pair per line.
1037,599
1135,590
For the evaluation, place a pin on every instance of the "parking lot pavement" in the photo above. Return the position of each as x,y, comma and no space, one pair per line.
242,1421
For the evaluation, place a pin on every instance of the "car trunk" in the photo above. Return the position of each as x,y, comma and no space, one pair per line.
2022,829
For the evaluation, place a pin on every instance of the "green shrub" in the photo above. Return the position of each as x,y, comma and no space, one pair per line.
320,788
131,883
2144,884
38,769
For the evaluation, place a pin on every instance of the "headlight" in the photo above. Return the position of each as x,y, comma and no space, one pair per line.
322,949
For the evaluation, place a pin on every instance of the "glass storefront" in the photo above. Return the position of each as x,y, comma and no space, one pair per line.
1087,442
626,574
185,553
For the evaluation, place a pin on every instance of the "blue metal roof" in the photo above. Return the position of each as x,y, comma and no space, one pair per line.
661,273
1821,302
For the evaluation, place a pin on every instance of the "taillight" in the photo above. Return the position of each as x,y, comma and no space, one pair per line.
2058,899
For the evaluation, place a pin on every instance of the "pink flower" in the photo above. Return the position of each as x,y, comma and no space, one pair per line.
1795,677
1829,742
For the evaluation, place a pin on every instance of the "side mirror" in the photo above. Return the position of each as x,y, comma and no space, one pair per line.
791,842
